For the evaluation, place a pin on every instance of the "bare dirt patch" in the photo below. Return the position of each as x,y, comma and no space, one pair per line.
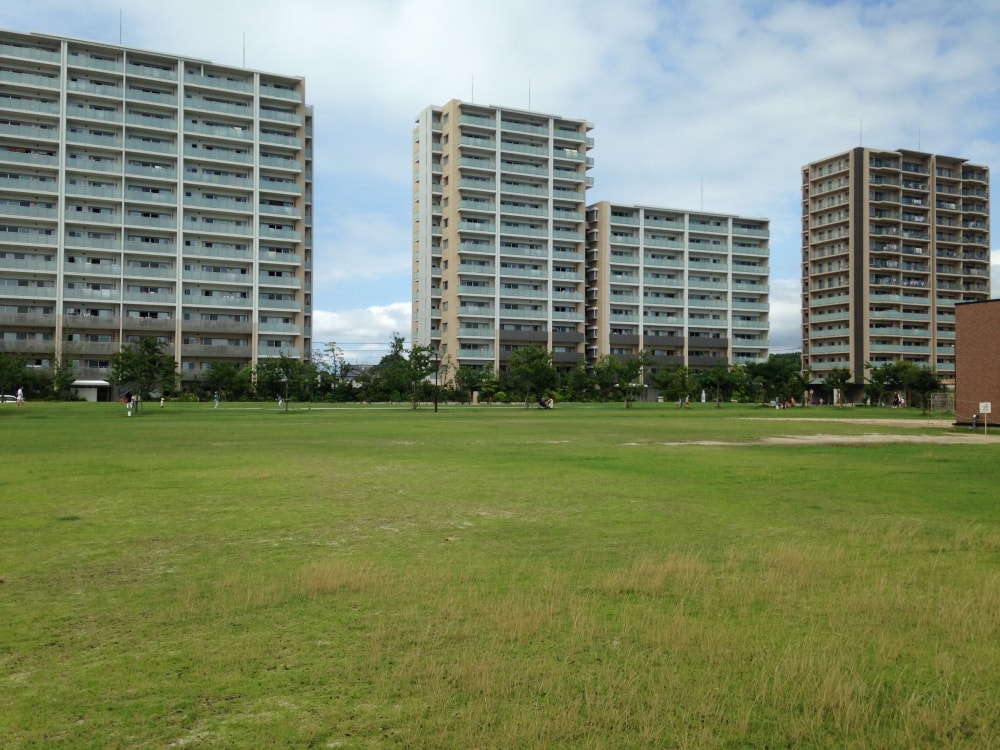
876,438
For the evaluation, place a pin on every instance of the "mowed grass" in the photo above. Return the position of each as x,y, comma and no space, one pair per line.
493,577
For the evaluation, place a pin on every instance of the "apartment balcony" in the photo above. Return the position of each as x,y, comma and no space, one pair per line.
278,92
279,304
235,132
217,82
231,156
746,269
134,323
273,257
242,279
232,327
30,53
738,305
199,300
273,351
279,186
150,71
465,332
281,163
215,350
289,235
523,189
151,298
476,356
287,282
31,159
292,212
508,336
22,346
470,311
269,113
153,97
226,180
160,173
219,204
29,79
519,127
145,248
280,140
230,108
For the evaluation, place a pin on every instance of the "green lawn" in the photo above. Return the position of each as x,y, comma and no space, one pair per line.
494,577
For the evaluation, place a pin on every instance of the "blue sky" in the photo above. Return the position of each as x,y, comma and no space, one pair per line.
700,104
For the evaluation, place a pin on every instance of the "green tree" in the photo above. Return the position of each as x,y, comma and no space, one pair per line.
144,367
13,373
63,376
673,381
334,372
468,378
230,380
605,374
779,377
579,383
837,380
923,382
719,381
421,362
286,378
630,376
530,370
390,378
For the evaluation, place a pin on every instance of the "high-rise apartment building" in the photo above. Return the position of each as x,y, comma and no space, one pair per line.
499,218
891,241
145,194
688,288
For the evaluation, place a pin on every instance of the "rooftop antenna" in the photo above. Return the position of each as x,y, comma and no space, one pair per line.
472,92
861,136
918,139
119,27
702,194
529,94
244,49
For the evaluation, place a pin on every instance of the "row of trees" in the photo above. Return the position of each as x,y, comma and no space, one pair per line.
414,374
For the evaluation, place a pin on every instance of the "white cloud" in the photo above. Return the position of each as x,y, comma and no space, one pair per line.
362,334
786,316
362,245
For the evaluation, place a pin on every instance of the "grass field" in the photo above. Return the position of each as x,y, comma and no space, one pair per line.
496,577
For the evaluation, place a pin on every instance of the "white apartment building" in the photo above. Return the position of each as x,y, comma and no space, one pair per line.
145,194
689,288
498,238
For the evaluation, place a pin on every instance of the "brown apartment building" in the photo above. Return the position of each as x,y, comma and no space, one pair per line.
892,241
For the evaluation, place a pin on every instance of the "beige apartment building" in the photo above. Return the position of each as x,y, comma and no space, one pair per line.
689,288
145,194
891,242
498,238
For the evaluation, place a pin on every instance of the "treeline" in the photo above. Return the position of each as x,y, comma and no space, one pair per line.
416,375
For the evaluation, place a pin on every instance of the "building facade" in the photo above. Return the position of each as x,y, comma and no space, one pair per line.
977,362
498,238
144,194
688,288
891,241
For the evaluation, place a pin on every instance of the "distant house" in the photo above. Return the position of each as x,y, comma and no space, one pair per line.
977,361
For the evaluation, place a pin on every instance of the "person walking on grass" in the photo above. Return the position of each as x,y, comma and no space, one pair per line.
20,396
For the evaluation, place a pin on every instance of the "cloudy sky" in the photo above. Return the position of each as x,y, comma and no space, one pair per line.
697,104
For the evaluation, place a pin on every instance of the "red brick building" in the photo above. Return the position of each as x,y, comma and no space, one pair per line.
977,360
